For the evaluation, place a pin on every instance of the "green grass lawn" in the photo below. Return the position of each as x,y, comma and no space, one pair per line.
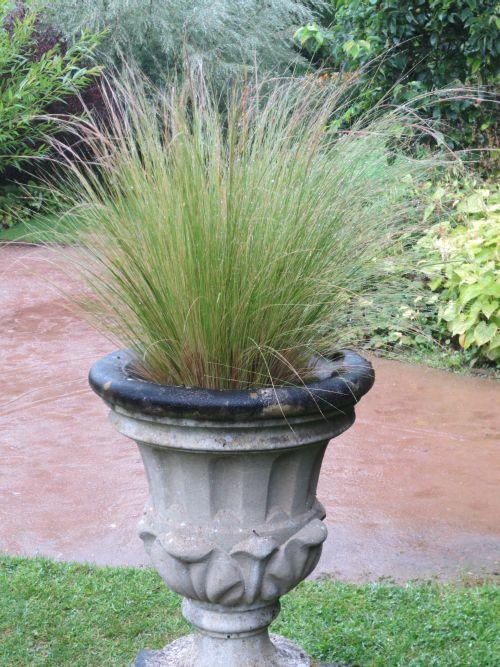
80,615
38,229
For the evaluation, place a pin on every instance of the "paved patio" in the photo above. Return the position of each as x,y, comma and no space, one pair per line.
412,490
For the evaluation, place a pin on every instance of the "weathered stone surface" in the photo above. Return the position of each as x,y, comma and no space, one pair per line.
185,652
232,522
148,658
247,530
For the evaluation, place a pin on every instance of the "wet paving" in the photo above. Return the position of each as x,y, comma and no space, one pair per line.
412,490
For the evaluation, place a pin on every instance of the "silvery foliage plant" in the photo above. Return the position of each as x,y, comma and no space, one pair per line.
225,36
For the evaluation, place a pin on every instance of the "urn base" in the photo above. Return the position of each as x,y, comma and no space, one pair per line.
196,650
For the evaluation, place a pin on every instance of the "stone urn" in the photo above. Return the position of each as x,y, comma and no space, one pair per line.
232,522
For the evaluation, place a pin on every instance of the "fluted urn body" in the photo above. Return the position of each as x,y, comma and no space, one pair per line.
232,522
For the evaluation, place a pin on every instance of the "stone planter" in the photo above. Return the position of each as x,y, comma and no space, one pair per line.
232,522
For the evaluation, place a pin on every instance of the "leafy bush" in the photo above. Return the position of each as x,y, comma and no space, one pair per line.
24,203
226,250
32,80
160,35
453,267
15,203
463,266
418,46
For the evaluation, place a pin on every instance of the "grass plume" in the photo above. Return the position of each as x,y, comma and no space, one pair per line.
226,249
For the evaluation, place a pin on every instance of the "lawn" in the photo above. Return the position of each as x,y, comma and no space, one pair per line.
38,229
80,615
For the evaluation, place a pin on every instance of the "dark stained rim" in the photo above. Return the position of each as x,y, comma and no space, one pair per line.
342,381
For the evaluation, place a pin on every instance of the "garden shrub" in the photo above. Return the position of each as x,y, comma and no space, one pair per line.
32,79
159,35
416,47
463,267
15,202
449,313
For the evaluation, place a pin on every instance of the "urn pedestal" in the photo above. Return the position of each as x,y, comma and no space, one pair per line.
232,522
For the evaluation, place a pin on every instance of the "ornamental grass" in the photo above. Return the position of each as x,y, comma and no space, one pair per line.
228,248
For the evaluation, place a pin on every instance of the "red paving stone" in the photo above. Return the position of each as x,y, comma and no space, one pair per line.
412,490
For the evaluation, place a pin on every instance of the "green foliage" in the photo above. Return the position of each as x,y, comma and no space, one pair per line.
10,205
414,324
30,82
15,203
455,278
73,615
463,266
26,207
416,47
226,38
227,250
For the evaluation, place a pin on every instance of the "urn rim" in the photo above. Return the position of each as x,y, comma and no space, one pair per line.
341,381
